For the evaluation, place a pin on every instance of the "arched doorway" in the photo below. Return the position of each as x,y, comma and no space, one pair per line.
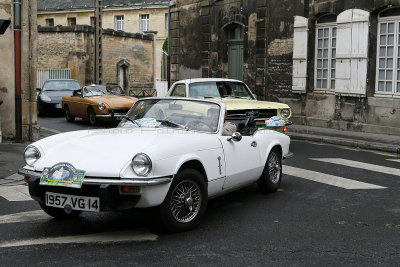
123,74
234,34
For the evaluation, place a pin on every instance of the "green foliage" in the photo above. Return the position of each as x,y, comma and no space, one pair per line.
165,45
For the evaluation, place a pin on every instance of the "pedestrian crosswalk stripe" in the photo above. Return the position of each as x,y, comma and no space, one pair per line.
26,216
361,165
120,236
395,160
15,193
328,179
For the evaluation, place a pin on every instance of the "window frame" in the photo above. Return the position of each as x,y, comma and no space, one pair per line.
395,93
71,19
179,85
47,20
144,21
119,20
331,26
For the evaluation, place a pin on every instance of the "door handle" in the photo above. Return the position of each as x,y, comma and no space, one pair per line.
254,144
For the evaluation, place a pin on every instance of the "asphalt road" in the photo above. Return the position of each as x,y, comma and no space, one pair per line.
314,219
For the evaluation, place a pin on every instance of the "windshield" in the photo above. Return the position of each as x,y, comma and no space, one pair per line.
57,85
225,89
185,114
93,90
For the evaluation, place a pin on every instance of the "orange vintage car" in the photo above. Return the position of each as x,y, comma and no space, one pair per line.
97,102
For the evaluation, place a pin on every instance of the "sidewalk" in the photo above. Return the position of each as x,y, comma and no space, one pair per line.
380,142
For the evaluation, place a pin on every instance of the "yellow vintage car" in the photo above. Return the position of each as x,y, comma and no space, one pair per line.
240,102
97,102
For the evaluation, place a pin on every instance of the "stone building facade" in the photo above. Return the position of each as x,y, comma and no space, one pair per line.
131,16
17,121
335,62
73,47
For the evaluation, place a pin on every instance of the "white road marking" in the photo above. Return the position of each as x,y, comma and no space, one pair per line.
328,179
50,130
15,193
15,177
395,160
120,236
361,165
26,216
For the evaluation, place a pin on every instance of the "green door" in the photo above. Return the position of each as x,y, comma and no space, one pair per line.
235,61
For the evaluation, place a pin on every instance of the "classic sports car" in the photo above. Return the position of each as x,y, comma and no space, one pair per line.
50,95
166,152
97,102
239,100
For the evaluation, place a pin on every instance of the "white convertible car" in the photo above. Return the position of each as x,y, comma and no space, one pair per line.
166,152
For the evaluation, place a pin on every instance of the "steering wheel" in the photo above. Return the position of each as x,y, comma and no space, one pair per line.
195,123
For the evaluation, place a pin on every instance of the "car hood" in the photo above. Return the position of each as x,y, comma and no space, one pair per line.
104,153
237,104
114,100
56,96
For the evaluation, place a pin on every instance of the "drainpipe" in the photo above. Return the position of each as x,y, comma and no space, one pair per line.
17,47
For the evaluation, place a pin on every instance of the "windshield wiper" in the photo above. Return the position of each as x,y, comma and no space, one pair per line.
129,119
171,123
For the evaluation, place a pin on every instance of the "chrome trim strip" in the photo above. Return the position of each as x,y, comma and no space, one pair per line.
129,181
110,115
124,181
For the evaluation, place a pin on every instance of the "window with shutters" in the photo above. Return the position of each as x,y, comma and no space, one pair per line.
119,23
325,53
388,54
300,48
144,23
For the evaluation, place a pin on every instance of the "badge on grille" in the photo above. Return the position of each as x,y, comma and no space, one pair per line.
62,174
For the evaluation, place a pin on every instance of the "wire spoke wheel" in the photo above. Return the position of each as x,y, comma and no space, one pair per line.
185,201
274,168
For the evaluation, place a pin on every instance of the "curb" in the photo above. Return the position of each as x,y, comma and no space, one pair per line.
346,142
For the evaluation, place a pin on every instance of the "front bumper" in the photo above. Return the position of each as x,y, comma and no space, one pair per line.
111,181
111,116
109,190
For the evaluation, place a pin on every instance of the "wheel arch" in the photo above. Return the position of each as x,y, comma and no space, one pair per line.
271,147
195,164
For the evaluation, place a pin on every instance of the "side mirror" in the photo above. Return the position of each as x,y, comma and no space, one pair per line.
236,137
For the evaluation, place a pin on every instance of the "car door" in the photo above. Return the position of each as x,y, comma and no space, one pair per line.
242,161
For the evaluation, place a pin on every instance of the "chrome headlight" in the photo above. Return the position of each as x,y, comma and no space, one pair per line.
141,164
31,155
101,106
285,113
44,97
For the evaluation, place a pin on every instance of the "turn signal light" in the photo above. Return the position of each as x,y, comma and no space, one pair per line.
285,129
128,189
27,179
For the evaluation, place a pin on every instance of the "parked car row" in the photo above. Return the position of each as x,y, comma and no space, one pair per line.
108,102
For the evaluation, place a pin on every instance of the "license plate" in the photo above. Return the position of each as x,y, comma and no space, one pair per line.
75,202
58,105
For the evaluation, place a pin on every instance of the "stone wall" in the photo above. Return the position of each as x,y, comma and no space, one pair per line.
28,128
7,74
199,49
73,47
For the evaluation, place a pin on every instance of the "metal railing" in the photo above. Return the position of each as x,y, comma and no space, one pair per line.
43,75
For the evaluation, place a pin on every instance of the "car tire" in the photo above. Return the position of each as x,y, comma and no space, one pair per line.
59,213
186,201
271,177
68,116
92,117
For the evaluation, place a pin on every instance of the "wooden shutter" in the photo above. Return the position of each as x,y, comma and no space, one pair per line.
300,46
352,52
